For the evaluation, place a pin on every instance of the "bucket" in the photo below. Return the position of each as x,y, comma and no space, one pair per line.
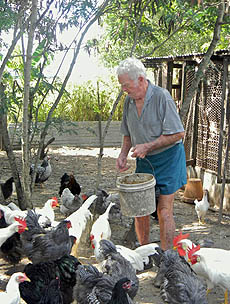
137,194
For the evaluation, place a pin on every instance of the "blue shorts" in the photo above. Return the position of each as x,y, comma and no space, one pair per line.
168,167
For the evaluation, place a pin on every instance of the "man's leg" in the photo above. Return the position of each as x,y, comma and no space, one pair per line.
166,220
142,227
167,228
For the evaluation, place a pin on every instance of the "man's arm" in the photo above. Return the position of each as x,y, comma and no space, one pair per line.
164,140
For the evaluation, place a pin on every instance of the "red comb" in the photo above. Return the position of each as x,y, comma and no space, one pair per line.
180,250
68,224
192,250
21,221
54,198
91,237
84,197
180,237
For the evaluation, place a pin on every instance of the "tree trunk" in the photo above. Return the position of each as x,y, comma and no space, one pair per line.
204,62
25,126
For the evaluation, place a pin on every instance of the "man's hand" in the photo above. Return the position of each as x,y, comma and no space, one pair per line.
139,151
121,163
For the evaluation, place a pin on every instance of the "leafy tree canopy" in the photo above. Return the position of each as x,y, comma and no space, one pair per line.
159,28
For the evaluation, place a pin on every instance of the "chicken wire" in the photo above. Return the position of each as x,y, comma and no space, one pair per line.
208,120
203,121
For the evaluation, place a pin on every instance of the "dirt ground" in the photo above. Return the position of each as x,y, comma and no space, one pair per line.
83,162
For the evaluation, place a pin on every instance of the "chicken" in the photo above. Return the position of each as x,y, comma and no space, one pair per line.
201,207
70,182
116,266
140,258
11,249
92,285
7,188
180,283
9,214
46,213
13,206
100,205
42,274
45,245
101,228
3,223
79,220
212,264
70,202
43,171
18,226
12,294
119,293
52,293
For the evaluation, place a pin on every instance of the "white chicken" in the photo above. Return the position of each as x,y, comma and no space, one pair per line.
12,293
139,257
101,228
10,214
212,264
79,220
18,226
13,206
46,213
201,207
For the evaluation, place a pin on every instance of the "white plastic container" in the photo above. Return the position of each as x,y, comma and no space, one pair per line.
137,194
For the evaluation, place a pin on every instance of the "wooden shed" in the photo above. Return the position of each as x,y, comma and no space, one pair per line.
207,121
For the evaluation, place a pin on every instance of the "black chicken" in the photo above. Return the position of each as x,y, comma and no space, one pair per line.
42,277
116,266
92,286
69,181
180,283
11,249
100,205
120,292
52,293
7,188
43,171
45,245
3,223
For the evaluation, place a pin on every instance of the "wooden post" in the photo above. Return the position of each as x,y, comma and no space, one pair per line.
222,119
170,76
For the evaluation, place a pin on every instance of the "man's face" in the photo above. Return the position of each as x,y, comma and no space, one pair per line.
129,86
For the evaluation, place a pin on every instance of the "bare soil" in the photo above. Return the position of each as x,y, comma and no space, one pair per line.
83,162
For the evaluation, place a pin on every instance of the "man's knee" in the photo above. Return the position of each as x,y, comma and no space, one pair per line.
165,214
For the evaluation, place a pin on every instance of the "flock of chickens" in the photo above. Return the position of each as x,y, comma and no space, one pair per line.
56,275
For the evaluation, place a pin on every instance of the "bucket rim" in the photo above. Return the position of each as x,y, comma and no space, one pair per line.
152,180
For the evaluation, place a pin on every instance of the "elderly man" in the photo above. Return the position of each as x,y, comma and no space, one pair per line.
153,132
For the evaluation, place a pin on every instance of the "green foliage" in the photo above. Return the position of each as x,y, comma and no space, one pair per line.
81,102
190,29
7,16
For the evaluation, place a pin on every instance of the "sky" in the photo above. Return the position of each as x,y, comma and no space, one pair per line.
87,67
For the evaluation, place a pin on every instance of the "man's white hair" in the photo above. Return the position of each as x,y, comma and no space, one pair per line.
133,67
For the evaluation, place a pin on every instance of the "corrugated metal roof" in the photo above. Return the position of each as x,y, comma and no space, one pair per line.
193,56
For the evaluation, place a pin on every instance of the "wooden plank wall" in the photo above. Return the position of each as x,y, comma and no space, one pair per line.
76,134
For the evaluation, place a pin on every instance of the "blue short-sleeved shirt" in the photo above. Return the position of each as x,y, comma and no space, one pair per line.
159,117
